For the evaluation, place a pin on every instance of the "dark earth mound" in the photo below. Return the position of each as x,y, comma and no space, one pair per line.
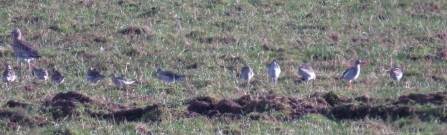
330,104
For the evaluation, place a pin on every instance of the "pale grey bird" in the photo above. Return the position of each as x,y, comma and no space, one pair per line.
40,73
121,81
168,76
246,73
396,73
57,77
23,50
307,72
93,76
9,75
352,73
274,70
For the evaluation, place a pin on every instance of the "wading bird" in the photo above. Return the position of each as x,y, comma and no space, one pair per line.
57,77
40,73
307,72
9,75
274,71
120,81
23,50
396,73
93,76
246,73
168,76
352,73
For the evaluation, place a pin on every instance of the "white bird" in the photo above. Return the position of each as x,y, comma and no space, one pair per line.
352,73
246,73
274,71
307,72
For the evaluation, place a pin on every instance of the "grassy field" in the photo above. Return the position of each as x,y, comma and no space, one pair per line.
209,42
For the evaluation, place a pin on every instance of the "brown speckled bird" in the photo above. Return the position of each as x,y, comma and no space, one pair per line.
23,50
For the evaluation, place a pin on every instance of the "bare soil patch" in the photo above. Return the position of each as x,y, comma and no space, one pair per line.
330,104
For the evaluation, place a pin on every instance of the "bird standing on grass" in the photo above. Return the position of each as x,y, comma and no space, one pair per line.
120,81
93,76
23,50
168,76
274,71
307,72
40,73
396,73
352,73
246,73
57,77
9,75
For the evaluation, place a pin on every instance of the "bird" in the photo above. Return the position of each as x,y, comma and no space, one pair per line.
246,73
396,73
40,73
23,50
121,81
352,73
9,75
168,76
274,70
93,75
57,77
307,72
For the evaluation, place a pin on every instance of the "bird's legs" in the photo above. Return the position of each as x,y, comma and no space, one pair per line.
29,67
350,85
19,62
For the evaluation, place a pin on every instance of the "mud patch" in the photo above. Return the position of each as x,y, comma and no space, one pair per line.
66,105
437,99
352,111
292,107
329,104
15,103
16,118
153,113
272,107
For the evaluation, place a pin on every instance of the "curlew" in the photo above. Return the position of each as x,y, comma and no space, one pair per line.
23,50
307,72
273,71
168,76
352,73
93,76
246,73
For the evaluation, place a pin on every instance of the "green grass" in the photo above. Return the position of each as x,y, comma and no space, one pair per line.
218,37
